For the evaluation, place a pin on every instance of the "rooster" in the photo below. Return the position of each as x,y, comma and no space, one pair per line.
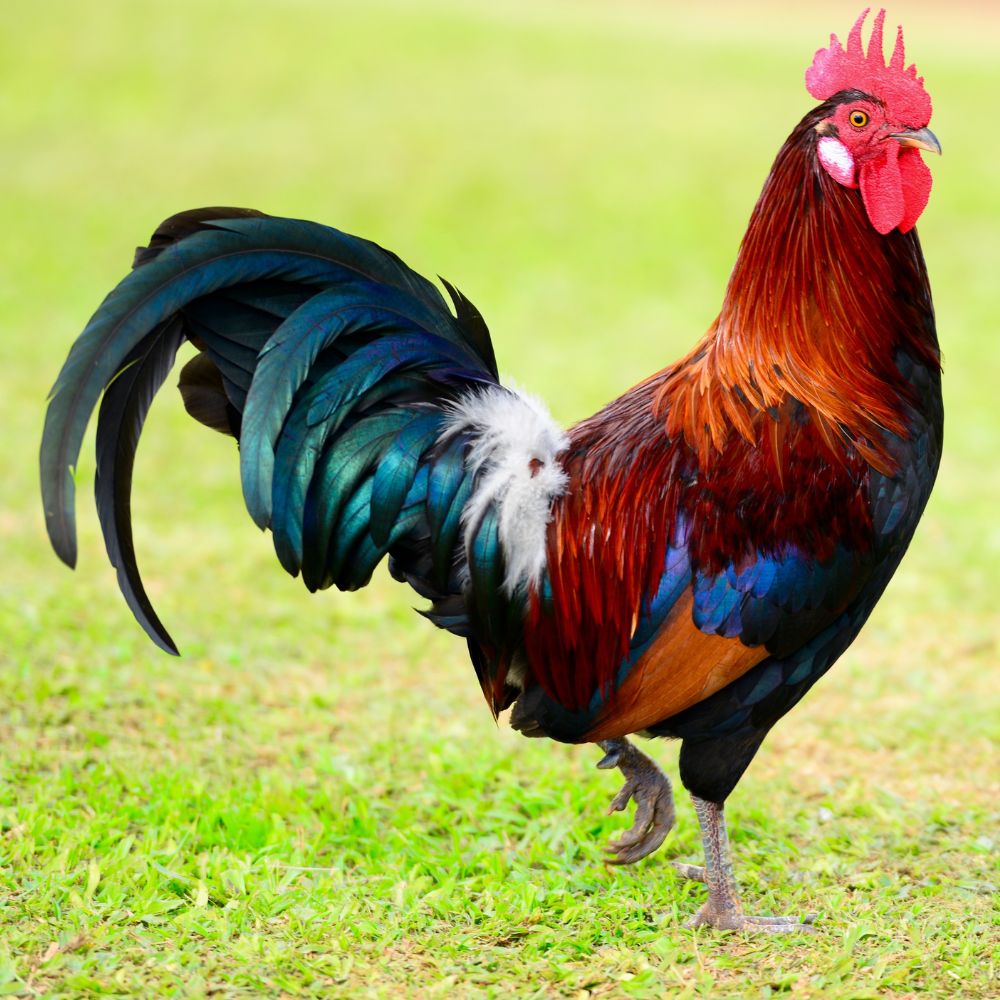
686,563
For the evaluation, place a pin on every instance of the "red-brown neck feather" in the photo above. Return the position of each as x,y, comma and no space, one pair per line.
817,305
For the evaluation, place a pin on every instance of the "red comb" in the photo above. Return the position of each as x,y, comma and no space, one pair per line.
900,90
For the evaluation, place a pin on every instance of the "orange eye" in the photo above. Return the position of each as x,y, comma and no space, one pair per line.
859,119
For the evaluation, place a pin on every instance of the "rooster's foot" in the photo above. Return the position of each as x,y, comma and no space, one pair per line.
723,919
654,802
723,909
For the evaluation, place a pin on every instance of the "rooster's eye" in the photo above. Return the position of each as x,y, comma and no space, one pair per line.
859,119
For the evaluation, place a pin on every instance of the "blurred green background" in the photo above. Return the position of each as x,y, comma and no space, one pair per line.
314,797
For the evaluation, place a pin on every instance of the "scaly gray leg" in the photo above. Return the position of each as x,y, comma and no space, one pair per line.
654,802
723,909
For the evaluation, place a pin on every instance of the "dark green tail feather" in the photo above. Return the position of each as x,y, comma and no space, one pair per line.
367,402
119,424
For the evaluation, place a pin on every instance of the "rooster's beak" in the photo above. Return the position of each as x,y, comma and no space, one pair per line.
921,138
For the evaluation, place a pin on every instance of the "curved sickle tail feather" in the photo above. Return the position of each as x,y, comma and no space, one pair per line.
334,365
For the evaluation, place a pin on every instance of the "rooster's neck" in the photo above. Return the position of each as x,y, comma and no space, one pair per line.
818,306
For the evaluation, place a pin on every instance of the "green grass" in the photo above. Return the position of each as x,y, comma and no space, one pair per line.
314,801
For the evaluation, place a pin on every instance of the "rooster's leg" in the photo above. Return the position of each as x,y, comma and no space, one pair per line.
723,909
654,801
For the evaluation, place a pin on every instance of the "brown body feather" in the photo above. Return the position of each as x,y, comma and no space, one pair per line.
682,667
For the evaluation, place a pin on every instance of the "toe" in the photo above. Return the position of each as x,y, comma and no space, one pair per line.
729,921
776,926
694,872
792,923
622,799
638,842
629,853
644,811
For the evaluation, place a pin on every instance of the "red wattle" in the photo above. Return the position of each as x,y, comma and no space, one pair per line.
895,188
916,179
882,189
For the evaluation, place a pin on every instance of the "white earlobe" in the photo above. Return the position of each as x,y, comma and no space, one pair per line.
837,161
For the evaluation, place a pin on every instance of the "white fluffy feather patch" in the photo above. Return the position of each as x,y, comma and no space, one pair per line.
514,443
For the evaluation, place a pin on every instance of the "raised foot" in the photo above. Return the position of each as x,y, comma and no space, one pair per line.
654,802
727,920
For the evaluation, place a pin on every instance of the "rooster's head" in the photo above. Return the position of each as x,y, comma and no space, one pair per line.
872,138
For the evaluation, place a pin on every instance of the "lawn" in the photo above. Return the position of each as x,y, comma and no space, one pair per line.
314,800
